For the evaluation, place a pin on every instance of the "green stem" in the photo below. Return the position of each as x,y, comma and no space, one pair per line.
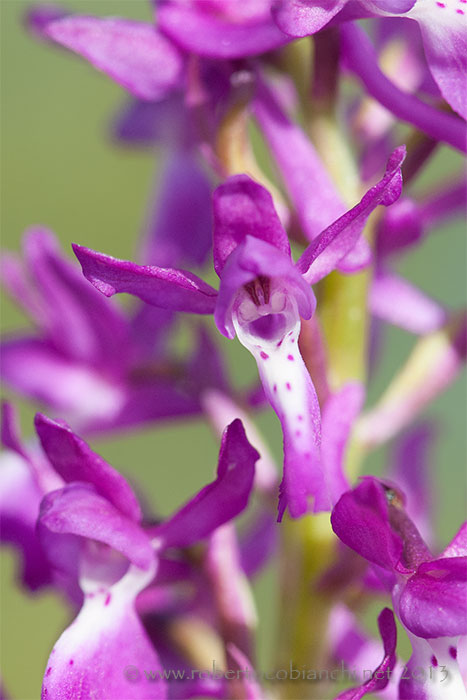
309,545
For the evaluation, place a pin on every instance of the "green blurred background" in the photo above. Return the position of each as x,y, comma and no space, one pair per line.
61,169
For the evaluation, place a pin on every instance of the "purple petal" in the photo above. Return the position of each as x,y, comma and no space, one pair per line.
147,401
339,413
238,662
361,520
444,32
242,208
411,471
221,410
74,460
39,16
179,228
396,301
132,53
138,123
252,259
170,289
381,675
458,545
98,653
407,221
205,376
434,600
359,257
221,500
304,17
362,60
208,34
442,204
10,435
229,588
165,122
401,227
351,644
76,319
37,370
326,251
15,280
258,542
311,189
78,510
20,497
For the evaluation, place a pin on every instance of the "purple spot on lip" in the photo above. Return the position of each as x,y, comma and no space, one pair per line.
460,12
71,662
292,340
298,433
307,455
453,652
107,599
282,339
434,661
441,4
49,671
290,357
288,387
274,388
300,417
264,355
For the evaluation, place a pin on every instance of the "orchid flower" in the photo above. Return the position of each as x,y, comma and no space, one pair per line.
100,368
261,298
429,593
96,503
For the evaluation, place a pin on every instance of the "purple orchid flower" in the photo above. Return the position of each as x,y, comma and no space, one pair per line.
261,298
88,361
429,594
443,28
220,28
96,503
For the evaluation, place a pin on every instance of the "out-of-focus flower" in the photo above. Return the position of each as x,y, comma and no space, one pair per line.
26,476
261,298
88,361
429,594
432,366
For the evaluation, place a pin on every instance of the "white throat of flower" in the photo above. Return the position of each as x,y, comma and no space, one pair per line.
268,325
